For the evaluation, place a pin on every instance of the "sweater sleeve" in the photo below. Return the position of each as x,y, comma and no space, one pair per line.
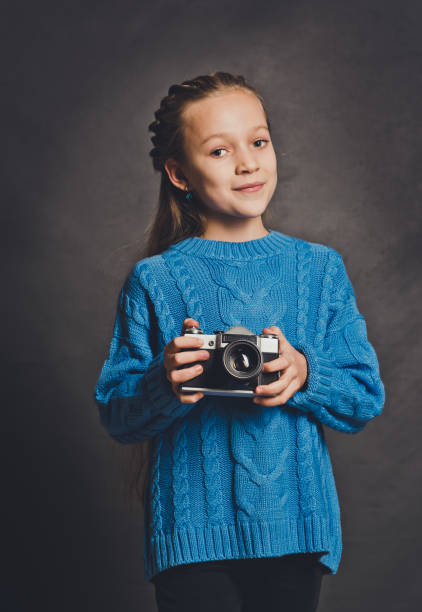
343,388
134,397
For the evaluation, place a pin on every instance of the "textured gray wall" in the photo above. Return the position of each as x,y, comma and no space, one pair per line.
81,80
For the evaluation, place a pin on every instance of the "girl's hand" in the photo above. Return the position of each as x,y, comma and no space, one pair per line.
295,371
174,357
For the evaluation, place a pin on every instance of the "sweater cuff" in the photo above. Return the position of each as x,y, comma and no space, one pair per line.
159,390
316,390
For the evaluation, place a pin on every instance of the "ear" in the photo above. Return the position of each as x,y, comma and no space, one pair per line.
175,173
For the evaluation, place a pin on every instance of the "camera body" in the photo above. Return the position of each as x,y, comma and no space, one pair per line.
234,367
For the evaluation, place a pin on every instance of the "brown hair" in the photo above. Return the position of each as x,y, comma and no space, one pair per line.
176,219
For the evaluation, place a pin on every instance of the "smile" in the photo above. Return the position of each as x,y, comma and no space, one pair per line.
251,189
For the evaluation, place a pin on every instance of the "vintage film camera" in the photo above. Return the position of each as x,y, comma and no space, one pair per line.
234,367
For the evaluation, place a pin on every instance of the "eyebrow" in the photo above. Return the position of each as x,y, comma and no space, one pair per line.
257,127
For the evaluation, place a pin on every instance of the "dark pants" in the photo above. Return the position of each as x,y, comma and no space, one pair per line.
290,583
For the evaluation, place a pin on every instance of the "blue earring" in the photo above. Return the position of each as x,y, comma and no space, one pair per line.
188,195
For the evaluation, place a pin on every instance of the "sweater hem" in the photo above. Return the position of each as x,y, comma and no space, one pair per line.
241,540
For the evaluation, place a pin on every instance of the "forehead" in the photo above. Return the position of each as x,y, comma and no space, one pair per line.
228,112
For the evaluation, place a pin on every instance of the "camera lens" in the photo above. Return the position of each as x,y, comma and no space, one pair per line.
242,359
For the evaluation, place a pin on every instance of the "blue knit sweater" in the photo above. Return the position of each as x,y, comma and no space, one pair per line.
229,478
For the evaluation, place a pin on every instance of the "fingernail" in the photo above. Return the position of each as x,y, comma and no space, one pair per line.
258,389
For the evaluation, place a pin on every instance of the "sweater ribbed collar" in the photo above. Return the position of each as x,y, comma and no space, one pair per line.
271,244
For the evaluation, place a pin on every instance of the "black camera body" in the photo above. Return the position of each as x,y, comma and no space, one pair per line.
234,367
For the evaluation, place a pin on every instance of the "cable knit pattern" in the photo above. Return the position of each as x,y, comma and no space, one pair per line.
318,440
246,291
230,479
320,391
167,324
211,465
305,469
303,278
157,519
327,283
257,492
180,477
188,290
138,312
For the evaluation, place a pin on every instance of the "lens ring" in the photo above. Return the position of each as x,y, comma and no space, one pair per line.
250,350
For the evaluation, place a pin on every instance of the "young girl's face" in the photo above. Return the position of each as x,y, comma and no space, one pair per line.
228,145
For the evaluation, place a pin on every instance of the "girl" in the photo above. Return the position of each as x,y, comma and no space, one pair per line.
241,507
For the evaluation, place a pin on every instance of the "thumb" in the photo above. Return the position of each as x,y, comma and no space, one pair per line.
189,322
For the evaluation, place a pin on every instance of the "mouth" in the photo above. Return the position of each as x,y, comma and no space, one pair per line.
250,187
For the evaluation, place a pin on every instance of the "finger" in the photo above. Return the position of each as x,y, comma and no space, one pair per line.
281,398
279,363
178,359
189,341
274,330
279,385
190,398
187,398
282,340
289,391
189,322
177,376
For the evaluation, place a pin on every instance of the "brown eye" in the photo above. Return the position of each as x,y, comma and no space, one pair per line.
260,140
221,149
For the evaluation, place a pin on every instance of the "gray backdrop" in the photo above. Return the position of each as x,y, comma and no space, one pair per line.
81,80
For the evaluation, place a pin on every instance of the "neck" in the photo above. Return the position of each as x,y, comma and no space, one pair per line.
234,229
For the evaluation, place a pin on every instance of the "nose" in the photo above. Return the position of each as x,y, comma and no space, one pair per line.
246,162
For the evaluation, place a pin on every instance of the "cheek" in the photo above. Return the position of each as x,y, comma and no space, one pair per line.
272,160
208,178
215,182
210,188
